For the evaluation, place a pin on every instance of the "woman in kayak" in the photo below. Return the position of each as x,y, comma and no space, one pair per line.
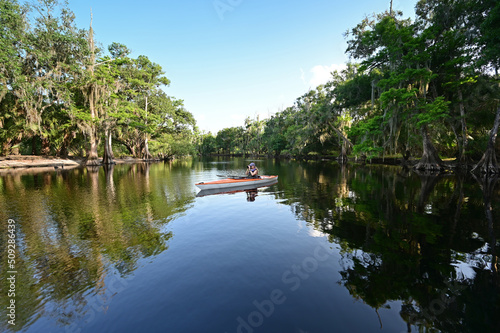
252,171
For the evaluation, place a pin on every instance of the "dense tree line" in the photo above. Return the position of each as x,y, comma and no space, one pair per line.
426,88
60,94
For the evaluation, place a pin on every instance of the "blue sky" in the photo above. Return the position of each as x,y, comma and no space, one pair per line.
232,59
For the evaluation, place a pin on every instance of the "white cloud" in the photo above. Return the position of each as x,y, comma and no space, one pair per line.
237,120
303,76
321,73
315,233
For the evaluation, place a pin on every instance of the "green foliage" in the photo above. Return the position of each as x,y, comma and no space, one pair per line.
207,144
435,72
433,112
367,134
170,145
428,74
53,89
12,23
230,140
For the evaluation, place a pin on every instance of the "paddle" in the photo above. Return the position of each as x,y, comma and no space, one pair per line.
232,177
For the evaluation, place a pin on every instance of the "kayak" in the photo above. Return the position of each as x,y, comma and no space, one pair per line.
232,190
228,183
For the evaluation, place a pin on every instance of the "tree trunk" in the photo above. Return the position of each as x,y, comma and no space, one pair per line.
373,94
34,150
11,146
488,163
15,150
63,151
430,159
45,147
108,149
346,144
343,154
462,159
342,135
147,154
6,147
131,149
138,147
130,146
92,156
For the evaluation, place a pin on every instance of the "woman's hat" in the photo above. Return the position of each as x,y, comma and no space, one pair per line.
252,164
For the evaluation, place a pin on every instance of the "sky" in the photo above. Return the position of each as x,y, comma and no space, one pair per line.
233,59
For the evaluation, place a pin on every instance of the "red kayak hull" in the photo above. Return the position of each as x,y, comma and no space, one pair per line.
227,183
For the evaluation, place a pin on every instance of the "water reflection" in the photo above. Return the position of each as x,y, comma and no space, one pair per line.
79,231
424,243
251,194
426,240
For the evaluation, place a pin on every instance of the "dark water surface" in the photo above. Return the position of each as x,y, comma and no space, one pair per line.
327,249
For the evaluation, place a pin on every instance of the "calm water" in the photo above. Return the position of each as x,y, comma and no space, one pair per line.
327,249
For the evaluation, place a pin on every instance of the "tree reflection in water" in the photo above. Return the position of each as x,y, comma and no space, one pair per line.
406,237
81,233
427,242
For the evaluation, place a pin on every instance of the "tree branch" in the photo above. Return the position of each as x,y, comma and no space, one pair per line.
341,134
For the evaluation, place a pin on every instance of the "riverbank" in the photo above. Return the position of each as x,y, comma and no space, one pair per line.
40,163
31,161
49,162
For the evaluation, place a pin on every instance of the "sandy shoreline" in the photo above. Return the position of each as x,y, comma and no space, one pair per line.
11,163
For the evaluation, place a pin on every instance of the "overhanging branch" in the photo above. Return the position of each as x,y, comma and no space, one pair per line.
346,140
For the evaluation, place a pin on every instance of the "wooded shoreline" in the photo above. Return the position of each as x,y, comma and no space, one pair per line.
450,164
427,87
39,162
